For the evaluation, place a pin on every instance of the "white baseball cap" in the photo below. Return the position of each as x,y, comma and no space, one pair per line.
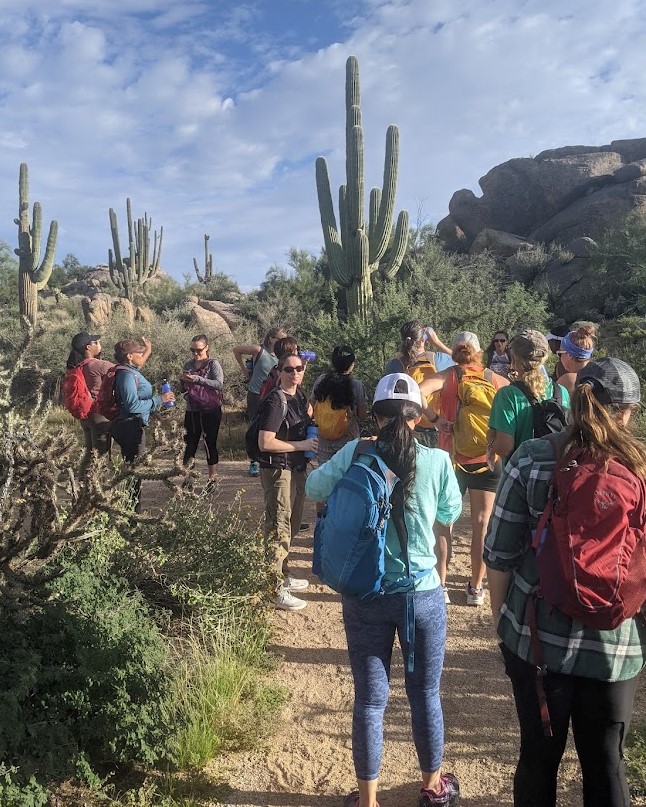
466,338
398,387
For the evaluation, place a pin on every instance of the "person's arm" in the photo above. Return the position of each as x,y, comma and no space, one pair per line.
500,443
501,436
433,383
321,481
499,583
245,350
267,441
148,348
215,378
433,339
449,502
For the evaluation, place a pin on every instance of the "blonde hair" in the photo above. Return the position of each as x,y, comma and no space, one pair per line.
598,429
528,371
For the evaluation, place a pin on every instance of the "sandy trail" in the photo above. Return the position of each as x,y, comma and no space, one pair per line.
308,762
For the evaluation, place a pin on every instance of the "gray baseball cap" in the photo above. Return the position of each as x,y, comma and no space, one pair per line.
612,381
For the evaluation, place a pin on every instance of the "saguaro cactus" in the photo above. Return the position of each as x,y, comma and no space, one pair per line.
353,251
132,273
208,263
32,276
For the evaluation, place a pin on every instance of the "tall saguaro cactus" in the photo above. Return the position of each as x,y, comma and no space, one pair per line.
131,274
208,264
32,276
354,251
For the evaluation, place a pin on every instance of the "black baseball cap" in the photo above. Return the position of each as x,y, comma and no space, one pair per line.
612,381
82,340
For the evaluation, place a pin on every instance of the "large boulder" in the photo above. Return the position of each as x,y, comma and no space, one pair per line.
225,310
208,322
498,243
97,311
561,194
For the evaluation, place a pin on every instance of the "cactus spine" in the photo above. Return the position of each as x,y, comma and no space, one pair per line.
208,263
131,274
32,277
353,251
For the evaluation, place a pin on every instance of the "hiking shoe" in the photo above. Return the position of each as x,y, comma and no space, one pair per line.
447,599
449,795
352,799
210,486
475,596
295,584
286,601
254,469
304,526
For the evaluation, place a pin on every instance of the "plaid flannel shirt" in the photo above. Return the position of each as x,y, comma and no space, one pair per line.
568,646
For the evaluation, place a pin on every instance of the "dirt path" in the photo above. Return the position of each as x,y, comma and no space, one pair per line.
309,762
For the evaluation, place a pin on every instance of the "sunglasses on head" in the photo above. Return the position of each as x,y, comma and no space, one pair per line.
293,369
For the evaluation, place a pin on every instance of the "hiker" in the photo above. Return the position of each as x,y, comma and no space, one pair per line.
589,675
257,367
426,493
512,420
554,338
575,352
496,355
466,392
86,350
283,418
339,404
202,382
136,402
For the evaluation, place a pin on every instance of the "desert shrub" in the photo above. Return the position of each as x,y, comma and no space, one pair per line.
17,793
163,294
636,761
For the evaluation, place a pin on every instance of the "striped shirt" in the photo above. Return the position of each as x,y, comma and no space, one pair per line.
568,646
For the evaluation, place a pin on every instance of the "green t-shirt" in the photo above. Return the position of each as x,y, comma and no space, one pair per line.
511,412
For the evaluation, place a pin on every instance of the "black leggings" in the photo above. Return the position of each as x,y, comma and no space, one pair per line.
130,435
600,712
198,424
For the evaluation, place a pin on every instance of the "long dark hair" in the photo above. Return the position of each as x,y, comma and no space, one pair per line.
396,445
411,333
490,350
337,383
74,359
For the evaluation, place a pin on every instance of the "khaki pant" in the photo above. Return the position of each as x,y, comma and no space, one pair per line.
284,498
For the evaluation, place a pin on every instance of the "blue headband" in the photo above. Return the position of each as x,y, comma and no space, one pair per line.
574,350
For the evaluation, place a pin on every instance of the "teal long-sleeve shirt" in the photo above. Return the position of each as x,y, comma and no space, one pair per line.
135,395
435,496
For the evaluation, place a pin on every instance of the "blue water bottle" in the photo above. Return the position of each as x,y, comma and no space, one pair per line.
166,387
311,431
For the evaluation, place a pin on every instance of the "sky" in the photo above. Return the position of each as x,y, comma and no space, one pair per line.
209,114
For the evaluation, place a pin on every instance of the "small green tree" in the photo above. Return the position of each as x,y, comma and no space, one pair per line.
619,269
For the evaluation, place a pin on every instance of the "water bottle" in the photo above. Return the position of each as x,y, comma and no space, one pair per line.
166,387
249,365
311,431
307,355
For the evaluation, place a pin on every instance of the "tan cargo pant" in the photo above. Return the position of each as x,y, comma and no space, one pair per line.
284,498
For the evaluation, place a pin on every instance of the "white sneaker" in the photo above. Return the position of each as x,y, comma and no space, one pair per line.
475,596
286,601
295,584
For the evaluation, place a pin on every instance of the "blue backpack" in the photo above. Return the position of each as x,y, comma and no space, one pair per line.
350,535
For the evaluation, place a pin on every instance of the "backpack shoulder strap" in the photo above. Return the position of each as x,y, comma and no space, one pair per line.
525,390
488,375
557,393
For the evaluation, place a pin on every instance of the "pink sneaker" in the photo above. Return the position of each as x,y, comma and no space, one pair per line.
449,795
352,799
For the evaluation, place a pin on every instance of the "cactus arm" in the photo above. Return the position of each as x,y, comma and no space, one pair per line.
157,251
333,247
36,234
346,235
355,180
352,87
375,201
200,279
384,221
41,275
400,243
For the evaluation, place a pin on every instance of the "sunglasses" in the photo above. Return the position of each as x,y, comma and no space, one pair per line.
500,341
197,349
292,369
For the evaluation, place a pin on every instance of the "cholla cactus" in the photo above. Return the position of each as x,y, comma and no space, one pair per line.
32,276
132,273
354,251
208,263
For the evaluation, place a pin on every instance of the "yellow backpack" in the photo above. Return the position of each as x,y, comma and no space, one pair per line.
475,397
420,371
333,424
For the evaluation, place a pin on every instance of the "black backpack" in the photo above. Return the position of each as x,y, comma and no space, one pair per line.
550,416
251,435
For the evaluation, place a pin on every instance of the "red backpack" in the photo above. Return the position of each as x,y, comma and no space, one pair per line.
76,395
270,383
590,542
106,401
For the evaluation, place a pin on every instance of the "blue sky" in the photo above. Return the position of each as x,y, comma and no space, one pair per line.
209,115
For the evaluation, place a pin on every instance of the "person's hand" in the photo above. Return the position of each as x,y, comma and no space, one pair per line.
146,343
191,377
311,444
246,374
444,425
431,336
167,396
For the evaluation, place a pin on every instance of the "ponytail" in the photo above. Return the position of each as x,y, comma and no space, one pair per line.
397,446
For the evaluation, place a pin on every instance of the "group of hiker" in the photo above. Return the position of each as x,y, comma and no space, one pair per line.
557,493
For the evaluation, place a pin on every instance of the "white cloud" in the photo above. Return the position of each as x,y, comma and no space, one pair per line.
211,123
